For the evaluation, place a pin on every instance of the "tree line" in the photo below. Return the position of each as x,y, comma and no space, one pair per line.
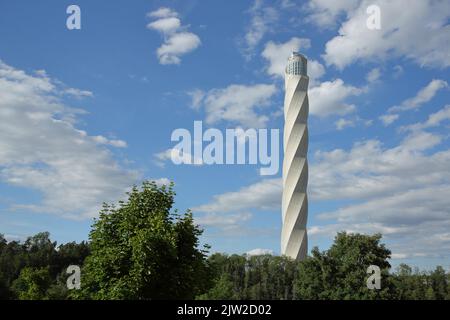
143,249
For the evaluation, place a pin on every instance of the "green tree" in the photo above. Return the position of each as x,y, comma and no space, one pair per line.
141,250
71,253
13,257
340,272
403,282
41,253
222,289
251,277
58,289
32,284
448,287
438,281
315,277
4,287
411,284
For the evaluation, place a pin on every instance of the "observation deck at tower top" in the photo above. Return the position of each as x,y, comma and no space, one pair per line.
297,65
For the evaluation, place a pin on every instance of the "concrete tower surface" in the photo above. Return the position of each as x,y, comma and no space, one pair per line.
294,241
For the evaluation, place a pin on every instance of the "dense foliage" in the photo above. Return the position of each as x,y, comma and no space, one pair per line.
144,250
337,273
141,250
36,269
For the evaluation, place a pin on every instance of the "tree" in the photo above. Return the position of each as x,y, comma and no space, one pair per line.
4,287
448,287
222,289
251,277
340,272
37,253
416,285
438,281
71,253
315,277
141,250
41,252
32,283
13,258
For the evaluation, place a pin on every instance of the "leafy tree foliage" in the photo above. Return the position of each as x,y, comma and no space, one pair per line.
340,272
222,290
337,273
36,268
144,250
416,285
141,250
251,277
32,283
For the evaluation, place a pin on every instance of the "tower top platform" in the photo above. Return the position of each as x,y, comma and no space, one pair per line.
297,64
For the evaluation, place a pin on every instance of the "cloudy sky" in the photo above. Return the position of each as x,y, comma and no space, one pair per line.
87,113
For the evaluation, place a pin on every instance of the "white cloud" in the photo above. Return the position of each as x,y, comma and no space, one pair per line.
373,75
162,12
259,252
329,97
176,155
197,96
433,120
324,13
424,95
41,149
231,211
399,191
237,104
177,45
106,141
388,119
415,29
225,221
398,71
416,221
410,203
399,256
262,19
165,25
315,71
77,93
278,53
162,181
263,195
343,123
369,170
287,4
14,237
326,98
177,41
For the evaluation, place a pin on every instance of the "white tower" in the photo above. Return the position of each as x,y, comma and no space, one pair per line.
294,241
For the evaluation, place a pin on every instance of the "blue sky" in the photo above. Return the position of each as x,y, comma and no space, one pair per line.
87,113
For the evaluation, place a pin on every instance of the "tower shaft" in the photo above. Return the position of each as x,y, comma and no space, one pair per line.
294,241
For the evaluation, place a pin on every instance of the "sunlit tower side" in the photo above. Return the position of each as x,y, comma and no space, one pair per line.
294,240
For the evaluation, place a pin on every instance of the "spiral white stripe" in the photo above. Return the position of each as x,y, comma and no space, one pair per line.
294,242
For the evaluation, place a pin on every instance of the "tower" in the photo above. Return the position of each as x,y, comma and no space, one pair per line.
294,241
